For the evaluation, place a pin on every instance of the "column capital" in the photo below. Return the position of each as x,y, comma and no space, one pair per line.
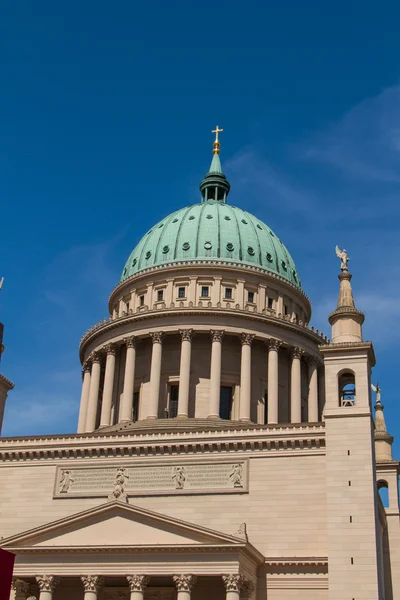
92,583
233,583
312,360
184,583
85,366
247,589
47,583
95,357
247,338
130,341
110,348
157,337
274,344
186,334
296,352
20,586
217,335
137,583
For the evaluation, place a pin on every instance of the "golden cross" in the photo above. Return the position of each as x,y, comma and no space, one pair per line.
217,130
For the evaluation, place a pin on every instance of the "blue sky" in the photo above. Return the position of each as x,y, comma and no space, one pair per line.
105,118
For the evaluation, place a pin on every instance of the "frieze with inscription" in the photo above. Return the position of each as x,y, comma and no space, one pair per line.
124,480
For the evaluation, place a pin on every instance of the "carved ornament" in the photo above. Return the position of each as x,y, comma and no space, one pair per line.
246,339
274,344
186,334
92,583
95,357
20,586
217,335
184,583
233,583
130,341
110,348
297,352
157,337
137,583
47,583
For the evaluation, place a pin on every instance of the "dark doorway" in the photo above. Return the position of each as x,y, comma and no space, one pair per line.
225,403
173,401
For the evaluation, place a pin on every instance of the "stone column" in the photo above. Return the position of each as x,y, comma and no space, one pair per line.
137,584
312,389
91,586
19,589
321,391
47,585
155,374
295,386
273,380
184,585
245,377
215,373
126,408
105,418
93,392
184,372
84,397
233,585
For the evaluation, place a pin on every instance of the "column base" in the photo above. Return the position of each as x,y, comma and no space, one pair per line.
152,418
214,417
245,420
182,417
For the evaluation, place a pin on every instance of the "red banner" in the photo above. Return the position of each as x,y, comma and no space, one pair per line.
6,573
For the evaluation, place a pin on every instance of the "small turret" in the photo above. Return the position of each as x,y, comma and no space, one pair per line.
346,320
383,439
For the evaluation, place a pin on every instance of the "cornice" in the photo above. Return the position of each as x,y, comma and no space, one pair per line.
292,440
9,384
111,324
334,347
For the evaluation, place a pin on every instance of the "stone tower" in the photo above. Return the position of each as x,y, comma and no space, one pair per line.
351,492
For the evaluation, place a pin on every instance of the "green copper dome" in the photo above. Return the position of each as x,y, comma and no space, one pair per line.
212,232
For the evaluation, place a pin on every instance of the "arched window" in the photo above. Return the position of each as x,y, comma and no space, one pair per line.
347,389
383,490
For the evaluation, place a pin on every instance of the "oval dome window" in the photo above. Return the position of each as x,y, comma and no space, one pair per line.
269,257
148,254
134,262
250,250
208,245
230,247
284,266
165,249
186,246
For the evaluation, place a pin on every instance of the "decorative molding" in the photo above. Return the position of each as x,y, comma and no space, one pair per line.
157,337
121,443
47,583
130,341
297,352
137,583
246,339
217,335
242,532
110,348
233,583
274,344
184,583
92,583
95,357
186,334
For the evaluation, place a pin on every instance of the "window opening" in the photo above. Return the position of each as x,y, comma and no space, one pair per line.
141,300
270,303
204,291
160,295
228,293
181,292
250,296
347,389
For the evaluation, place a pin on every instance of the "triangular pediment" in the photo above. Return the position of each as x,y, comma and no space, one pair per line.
118,525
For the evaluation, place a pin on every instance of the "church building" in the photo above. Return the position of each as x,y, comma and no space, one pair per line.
225,448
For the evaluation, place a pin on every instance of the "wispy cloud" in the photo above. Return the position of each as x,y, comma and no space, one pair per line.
365,144
252,172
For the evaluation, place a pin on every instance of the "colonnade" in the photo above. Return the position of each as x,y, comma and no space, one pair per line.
92,372
234,585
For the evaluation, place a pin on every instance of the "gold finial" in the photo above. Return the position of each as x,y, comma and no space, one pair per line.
217,143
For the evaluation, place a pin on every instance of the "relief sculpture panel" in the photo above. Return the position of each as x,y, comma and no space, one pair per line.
122,481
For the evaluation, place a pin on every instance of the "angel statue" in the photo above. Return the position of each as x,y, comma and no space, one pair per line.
377,389
342,254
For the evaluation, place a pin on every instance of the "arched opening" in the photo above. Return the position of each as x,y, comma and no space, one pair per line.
383,490
347,389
